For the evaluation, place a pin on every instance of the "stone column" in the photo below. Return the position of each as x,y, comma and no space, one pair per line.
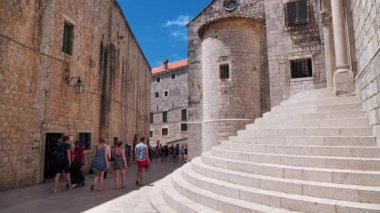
343,76
329,45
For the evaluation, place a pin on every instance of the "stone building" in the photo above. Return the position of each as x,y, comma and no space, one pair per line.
169,96
314,65
245,57
47,48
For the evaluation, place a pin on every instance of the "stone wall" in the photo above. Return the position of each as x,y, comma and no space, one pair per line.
173,104
33,75
229,104
251,9
285,44
366,24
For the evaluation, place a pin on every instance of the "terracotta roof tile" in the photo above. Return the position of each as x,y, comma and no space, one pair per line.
171,66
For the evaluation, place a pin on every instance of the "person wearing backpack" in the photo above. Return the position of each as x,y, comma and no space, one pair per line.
62,163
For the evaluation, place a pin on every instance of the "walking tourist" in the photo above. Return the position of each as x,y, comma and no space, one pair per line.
100,164
62,163
128,154
109,159
142,160
77,177
119,165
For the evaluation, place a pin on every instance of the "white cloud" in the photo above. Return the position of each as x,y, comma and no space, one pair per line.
179,35
181,20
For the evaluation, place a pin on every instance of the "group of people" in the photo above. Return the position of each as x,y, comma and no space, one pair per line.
168,153
105,159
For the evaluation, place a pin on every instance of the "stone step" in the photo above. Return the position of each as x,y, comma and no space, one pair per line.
316,103
317,108
314,115
271,198
179,202
337,151
158,202
339,176
307,140
215,200
307,110
313,100
317,131
349,163
323,123
354,193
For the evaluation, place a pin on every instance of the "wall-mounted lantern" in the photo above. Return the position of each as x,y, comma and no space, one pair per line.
78,86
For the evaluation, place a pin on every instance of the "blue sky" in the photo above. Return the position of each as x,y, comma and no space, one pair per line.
160,26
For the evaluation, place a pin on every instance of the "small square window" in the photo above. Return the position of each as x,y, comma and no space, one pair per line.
165,131
166,93
85,140
224,70
151,133
301,68
156,94
183,127
165,117
68,38
158,79
173,76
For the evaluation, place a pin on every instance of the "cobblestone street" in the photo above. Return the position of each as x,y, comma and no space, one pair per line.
40,198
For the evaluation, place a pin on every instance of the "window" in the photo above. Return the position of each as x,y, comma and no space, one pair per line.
184,114
224,70
183,127
165,117
85,140
151,118
68,38
297,13
166,93
173,76
156,94
151,133
158,79
230,5
165,131
301,68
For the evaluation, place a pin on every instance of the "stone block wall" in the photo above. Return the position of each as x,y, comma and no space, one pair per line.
285,44
251,9
37,98
366,26
173,104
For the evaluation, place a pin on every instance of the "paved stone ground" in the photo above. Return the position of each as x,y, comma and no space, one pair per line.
40,198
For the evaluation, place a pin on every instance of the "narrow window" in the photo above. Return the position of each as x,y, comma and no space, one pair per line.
156,94
301,68
165,131
184,114
151,133
183,127
224,70
166,93
158,79
151,118
297,13
85,140
165,117
68,38
173,76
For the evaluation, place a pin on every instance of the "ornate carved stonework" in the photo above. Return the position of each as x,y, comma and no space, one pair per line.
326,18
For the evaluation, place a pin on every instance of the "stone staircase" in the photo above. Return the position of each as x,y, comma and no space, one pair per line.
313,153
